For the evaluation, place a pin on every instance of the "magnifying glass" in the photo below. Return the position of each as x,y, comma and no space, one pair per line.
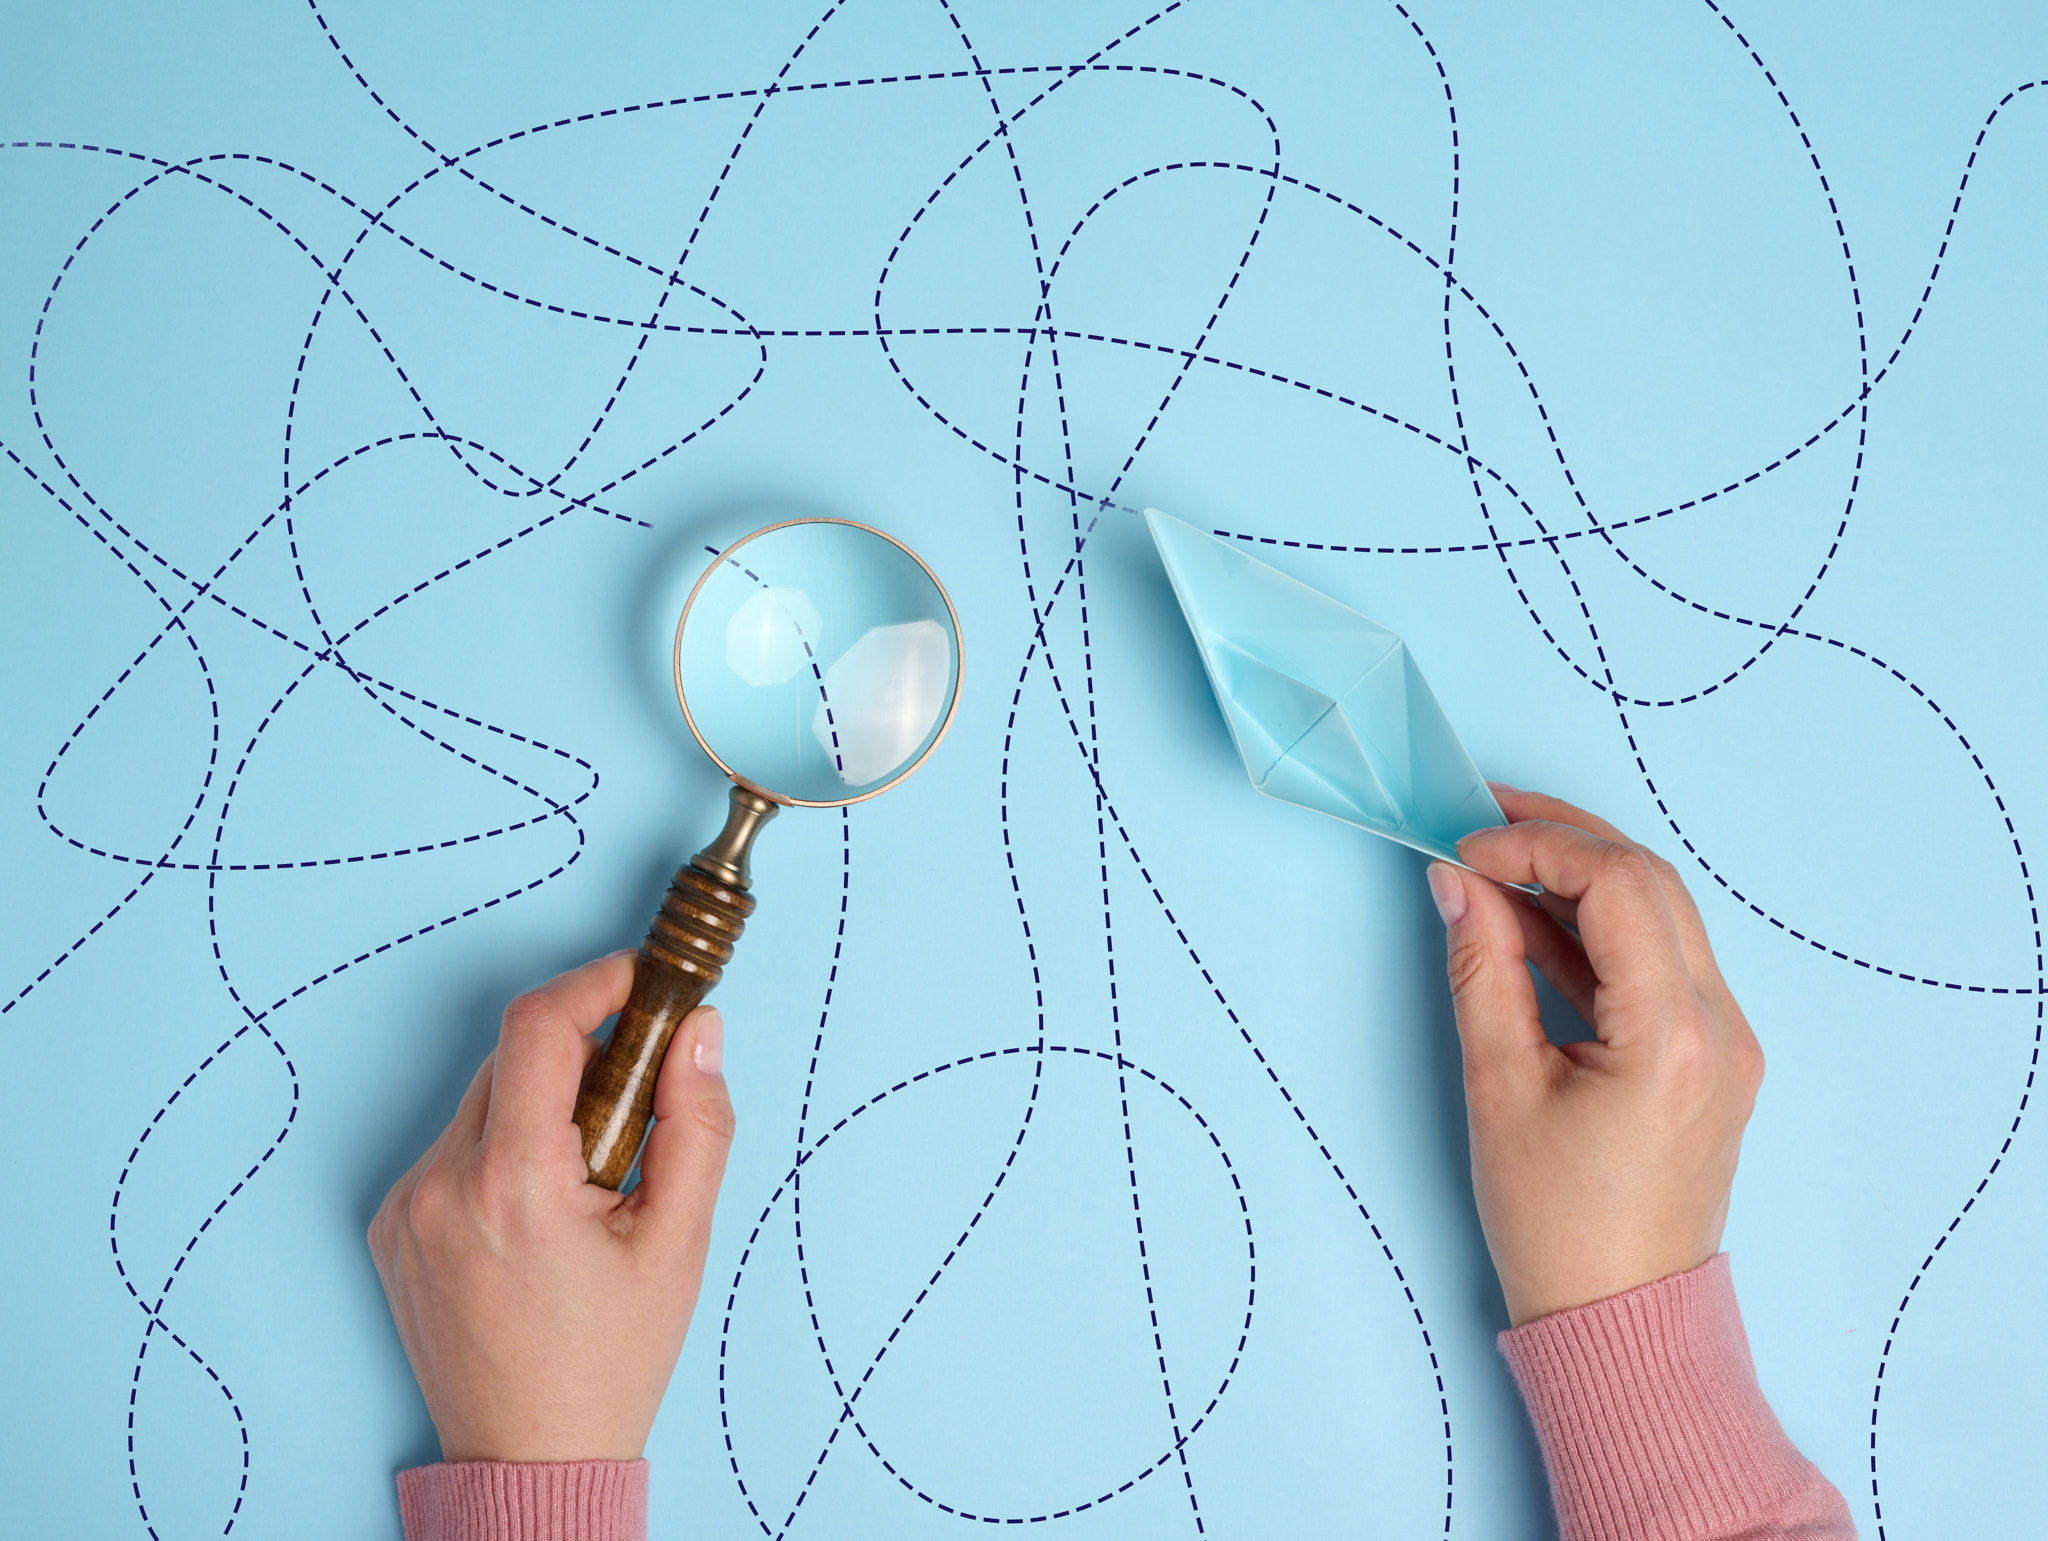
817,662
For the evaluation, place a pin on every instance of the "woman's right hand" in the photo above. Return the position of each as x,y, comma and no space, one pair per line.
543,1314
1606,1164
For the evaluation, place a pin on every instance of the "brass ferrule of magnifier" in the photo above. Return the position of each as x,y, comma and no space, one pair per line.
728,857
708,903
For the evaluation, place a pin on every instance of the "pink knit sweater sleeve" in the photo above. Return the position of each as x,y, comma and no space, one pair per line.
1647,1408
516,1501
1654,1428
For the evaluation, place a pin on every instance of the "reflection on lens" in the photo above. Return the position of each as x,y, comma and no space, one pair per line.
765,639
818,661
881,700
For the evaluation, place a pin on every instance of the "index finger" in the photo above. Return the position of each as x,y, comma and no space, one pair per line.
540,1057
1624,919
1692,929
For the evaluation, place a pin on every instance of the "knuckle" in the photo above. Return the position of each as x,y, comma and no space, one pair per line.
1703,1061
1749,1064
1673,882
712,1118
1466,966
1630,863
530,1012
1631,874
428,1206
1662,869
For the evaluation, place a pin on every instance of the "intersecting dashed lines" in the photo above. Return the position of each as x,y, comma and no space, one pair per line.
1556,445
2039,990
669,288
1088,748
779,86
672,280
155,1324
1046,277
1083,744
379,220
215,868
2040,986
1595,525
152,1305
763,332
204,589
1178,1447
2037,987
331,274
1776,630
1005,124
849,1397
213,865
1067,71
824,701
1550,540
176,621
454,442
1603,681
327,654
795,1183
1567,535
1044,314
1315,1138
1621,707
258,1021
153,1309
376,690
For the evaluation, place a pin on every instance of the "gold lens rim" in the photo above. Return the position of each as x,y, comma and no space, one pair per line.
952,704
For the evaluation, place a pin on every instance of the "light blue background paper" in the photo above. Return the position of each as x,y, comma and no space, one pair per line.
1670,378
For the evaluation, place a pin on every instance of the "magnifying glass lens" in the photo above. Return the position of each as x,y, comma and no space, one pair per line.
818,661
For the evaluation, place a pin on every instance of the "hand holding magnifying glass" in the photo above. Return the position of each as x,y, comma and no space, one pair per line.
818,663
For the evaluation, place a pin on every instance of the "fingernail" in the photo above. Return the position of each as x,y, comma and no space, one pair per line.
623,952
1503,786
1448,890
709,1055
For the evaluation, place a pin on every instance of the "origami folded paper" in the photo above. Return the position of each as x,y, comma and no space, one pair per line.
1327,709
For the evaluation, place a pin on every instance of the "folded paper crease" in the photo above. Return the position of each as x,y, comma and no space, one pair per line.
1327,708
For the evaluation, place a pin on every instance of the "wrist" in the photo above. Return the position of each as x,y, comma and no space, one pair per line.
1534,1294
553,1444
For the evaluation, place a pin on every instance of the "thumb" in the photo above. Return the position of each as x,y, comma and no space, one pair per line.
1499,1024
683,1161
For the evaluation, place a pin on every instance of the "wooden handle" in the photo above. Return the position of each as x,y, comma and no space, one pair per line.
683,957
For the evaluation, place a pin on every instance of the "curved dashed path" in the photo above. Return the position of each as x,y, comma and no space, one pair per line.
178,595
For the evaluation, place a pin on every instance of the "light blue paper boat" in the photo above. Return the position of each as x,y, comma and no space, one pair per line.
1327,709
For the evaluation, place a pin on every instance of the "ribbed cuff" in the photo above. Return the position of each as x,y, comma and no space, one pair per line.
1652,1423
519,1501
